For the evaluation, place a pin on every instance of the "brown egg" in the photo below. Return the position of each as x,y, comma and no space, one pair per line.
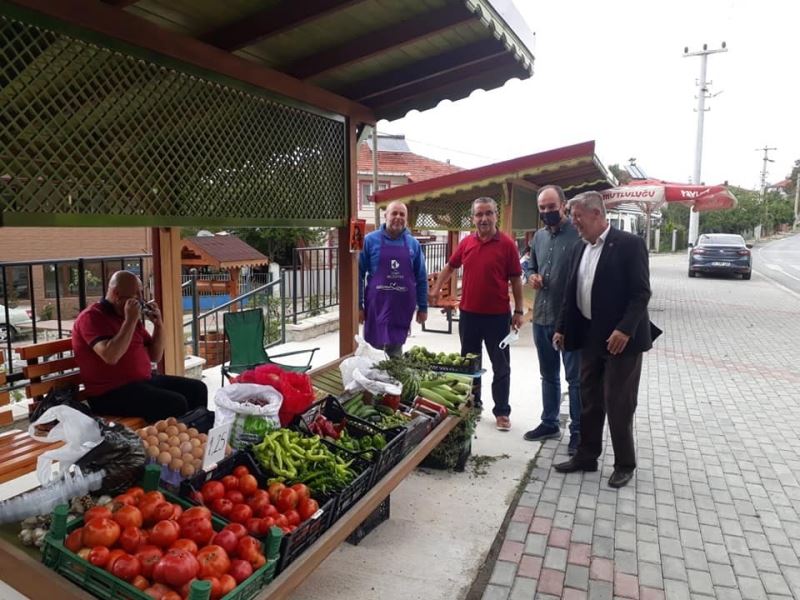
151,430
183,436
153,451
186,448
198,452
153,440
174,441
165,458
181,427
188,458
161,425
164,446
187,470
176,464
196,442
171,421
203,437
192,432
175,451
162,436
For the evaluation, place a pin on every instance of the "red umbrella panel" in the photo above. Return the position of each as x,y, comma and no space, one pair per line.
651,195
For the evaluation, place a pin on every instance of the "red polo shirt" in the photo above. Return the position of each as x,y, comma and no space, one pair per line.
487,268
101,322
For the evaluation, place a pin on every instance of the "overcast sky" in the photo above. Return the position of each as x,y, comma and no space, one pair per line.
614,72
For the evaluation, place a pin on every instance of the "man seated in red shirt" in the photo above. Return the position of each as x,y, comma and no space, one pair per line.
114,352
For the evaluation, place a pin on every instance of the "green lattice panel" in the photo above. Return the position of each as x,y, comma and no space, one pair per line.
445,214
91,135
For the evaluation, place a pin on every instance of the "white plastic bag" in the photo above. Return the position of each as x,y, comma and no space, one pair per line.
79,432
359,373
252,408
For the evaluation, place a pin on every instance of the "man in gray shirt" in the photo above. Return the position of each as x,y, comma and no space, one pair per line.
549,264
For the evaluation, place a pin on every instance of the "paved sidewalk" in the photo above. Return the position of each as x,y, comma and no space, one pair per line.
714,510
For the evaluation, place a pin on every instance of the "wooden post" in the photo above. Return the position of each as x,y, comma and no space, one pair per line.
348,265
506,211
452,244
233,286
167,278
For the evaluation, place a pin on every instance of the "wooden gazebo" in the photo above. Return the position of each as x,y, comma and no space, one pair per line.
220,253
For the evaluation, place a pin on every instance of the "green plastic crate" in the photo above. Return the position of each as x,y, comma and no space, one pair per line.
104,585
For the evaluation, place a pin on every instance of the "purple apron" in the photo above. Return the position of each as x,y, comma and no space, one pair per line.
390,297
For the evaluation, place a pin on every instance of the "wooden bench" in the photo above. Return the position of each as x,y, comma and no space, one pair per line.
446,300
6,418
50,365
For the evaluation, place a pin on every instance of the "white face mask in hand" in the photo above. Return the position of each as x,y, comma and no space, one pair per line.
512,337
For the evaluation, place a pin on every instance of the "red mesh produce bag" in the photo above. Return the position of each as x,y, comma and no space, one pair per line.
296,388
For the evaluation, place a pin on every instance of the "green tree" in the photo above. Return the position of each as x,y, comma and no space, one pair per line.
621,174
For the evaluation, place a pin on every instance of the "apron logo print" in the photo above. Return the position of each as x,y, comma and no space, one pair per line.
394,264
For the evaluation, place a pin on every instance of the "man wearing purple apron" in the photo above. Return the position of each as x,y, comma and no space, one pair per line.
393,267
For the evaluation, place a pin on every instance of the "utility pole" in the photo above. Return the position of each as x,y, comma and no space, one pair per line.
766,149
796,202
694,217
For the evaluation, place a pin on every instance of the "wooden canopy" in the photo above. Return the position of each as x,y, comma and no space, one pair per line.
220,252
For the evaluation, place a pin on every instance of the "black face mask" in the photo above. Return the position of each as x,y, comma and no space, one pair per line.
551,219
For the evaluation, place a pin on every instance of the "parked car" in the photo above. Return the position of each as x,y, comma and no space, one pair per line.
19,323
721,253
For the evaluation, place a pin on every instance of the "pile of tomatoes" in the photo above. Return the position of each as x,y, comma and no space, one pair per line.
238,498
160,548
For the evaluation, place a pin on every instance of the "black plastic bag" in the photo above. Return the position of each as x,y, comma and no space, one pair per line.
200,418
121,454
56,397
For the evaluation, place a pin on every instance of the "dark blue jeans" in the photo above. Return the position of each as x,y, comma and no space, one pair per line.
476,329
550,370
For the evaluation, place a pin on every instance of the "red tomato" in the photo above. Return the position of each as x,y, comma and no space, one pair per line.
227,540
198,530
293,517
184,544
275,490
248,484
140,582
248,548
307,508
237,528
213,560
235,496
281,521
147,505
171,595
95,512
222,506
99,556
100,532
150,496
302,491
259,561
148,556
162,511
126,567
177,511
212,490
164,533
113,556
240,570
216,588
176,568
240,513
194,513
124,500
258,501
157,591
132,538
269,511
264,525
136,491
241,470
231,482
226,583
287,500
74,541
128,516
252,525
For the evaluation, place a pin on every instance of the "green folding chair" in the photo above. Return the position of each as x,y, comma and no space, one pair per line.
244,331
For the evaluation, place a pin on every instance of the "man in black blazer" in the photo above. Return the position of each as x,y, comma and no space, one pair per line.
604,315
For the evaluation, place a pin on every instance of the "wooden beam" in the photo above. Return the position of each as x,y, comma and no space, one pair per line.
468,56
348,266
272,21
377,42
167,275
136,31
507,211
119,3
442,80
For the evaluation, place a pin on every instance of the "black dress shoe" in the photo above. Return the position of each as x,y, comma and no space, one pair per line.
620,478
573,465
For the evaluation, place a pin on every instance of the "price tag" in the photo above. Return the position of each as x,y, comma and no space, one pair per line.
216,444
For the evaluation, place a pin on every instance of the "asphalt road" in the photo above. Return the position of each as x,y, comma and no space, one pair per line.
779,261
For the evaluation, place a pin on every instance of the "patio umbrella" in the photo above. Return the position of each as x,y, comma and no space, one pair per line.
651,194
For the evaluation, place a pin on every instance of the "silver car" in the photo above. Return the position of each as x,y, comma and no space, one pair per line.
19,323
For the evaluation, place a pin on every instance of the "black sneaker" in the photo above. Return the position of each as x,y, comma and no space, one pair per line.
574,442
541,433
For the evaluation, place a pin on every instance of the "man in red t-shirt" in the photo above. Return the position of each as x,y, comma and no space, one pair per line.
490,260
114,352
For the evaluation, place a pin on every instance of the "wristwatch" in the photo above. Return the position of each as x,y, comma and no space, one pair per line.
519,312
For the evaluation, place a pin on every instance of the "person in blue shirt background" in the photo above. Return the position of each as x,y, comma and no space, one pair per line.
392,282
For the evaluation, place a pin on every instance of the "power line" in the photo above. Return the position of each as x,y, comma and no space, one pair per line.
491,158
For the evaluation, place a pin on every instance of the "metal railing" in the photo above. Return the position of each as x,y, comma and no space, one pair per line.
66,287
435,255
314,277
